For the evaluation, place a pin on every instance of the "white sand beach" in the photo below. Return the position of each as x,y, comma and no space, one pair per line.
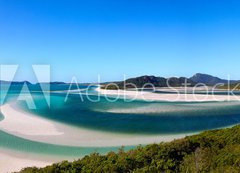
15,161
18,122
150,96
35,128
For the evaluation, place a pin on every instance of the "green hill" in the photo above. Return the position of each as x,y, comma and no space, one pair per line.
208,79
142,81
216,151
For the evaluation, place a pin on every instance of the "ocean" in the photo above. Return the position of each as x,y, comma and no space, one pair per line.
90,111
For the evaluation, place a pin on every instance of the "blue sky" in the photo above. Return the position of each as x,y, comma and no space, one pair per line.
112,38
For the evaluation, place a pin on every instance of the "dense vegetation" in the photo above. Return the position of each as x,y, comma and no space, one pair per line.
215,151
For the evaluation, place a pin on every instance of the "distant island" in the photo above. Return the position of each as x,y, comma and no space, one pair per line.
141,82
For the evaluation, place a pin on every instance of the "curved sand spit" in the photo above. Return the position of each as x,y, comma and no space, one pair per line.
32,127
150,96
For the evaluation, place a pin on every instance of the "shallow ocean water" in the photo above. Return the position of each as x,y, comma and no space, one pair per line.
137,117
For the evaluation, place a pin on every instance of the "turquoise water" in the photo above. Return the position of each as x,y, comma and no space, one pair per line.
15,143
1,117
18,144
139,117
136,117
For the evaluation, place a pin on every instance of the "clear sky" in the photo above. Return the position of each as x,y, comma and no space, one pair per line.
111,38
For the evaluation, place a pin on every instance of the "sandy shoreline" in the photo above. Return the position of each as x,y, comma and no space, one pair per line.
12,161
150,96
32,127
